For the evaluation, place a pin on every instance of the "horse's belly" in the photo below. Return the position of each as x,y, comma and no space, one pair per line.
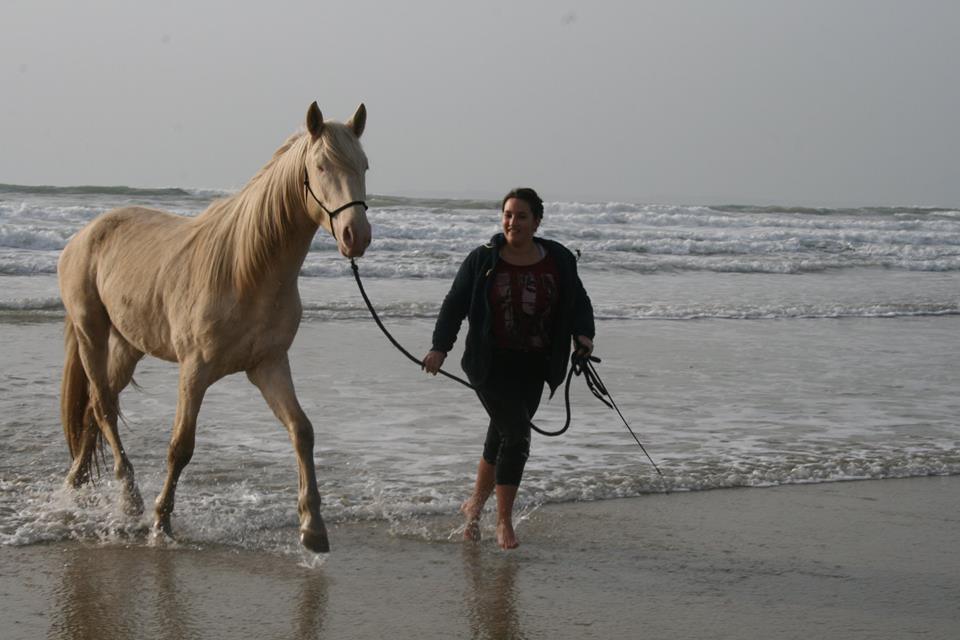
143,326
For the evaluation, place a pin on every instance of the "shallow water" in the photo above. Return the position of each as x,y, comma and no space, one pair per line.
747,347
718,403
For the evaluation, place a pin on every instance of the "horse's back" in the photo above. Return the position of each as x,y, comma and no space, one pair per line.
117,257
123,225
128,233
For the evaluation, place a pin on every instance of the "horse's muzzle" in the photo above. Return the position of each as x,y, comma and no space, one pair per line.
354,237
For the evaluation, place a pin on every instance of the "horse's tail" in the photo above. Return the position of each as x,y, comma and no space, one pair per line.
74,393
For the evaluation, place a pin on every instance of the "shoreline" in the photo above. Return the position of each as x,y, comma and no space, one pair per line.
873,558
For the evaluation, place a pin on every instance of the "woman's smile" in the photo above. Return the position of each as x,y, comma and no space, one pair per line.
519,223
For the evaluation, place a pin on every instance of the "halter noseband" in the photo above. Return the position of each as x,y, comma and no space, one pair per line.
331,214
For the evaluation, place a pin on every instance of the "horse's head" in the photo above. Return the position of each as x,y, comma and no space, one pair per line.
334,182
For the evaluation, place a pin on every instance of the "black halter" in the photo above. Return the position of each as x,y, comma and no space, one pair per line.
331,214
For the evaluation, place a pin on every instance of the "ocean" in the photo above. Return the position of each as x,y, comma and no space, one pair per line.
747,346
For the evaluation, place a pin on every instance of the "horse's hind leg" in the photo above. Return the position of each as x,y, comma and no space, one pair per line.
193,385
121,363
80,472
93,339
273,379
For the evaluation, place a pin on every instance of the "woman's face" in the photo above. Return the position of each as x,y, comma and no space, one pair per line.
519,225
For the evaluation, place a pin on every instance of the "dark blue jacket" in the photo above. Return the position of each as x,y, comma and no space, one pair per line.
469,298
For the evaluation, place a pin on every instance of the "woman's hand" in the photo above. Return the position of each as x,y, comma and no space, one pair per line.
583,346
433,361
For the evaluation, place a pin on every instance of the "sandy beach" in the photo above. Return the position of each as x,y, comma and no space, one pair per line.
874,559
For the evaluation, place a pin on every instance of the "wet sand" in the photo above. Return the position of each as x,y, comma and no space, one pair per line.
875,559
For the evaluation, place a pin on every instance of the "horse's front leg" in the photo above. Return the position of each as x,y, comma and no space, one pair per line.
273,379
193,385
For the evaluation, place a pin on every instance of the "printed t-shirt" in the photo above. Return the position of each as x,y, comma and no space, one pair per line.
523,300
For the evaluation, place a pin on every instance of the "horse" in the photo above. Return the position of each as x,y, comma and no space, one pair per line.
217,294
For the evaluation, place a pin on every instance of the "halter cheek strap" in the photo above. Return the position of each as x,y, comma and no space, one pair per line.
331,214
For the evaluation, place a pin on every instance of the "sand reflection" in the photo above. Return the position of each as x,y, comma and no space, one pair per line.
178,594
96,597
491,593
312,610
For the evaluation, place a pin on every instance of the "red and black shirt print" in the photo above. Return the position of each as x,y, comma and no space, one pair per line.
523,301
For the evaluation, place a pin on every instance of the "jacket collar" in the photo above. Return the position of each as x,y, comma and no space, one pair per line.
497,241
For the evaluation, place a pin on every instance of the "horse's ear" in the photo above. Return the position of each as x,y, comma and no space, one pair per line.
314,120
358,121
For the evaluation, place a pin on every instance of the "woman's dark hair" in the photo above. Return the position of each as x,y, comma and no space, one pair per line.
529,196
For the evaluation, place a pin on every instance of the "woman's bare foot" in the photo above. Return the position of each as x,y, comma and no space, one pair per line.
506,537
471,509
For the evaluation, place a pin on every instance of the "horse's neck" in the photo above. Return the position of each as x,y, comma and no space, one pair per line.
281,249
262,230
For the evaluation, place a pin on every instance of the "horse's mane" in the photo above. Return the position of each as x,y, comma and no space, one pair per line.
232,240
229,240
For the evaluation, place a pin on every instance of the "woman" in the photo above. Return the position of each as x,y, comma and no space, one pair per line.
524,303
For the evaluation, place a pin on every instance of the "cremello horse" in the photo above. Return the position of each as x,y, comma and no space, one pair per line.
216,293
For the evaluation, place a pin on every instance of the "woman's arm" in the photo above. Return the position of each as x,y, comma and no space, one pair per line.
455,306
583,325
454,309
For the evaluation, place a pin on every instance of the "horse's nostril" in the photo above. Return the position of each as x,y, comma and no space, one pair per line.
347,237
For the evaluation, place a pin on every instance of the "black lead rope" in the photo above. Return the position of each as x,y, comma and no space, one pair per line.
393,341
599,390
579,365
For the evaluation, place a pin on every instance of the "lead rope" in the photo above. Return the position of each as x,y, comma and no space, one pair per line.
579,365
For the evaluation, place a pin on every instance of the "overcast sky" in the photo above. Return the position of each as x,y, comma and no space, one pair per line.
808,102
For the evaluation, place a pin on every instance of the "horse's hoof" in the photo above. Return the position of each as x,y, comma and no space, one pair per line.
315,541
133,504
157,535
162,526
77,480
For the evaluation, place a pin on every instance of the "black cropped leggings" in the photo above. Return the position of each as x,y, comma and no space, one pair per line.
511,396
